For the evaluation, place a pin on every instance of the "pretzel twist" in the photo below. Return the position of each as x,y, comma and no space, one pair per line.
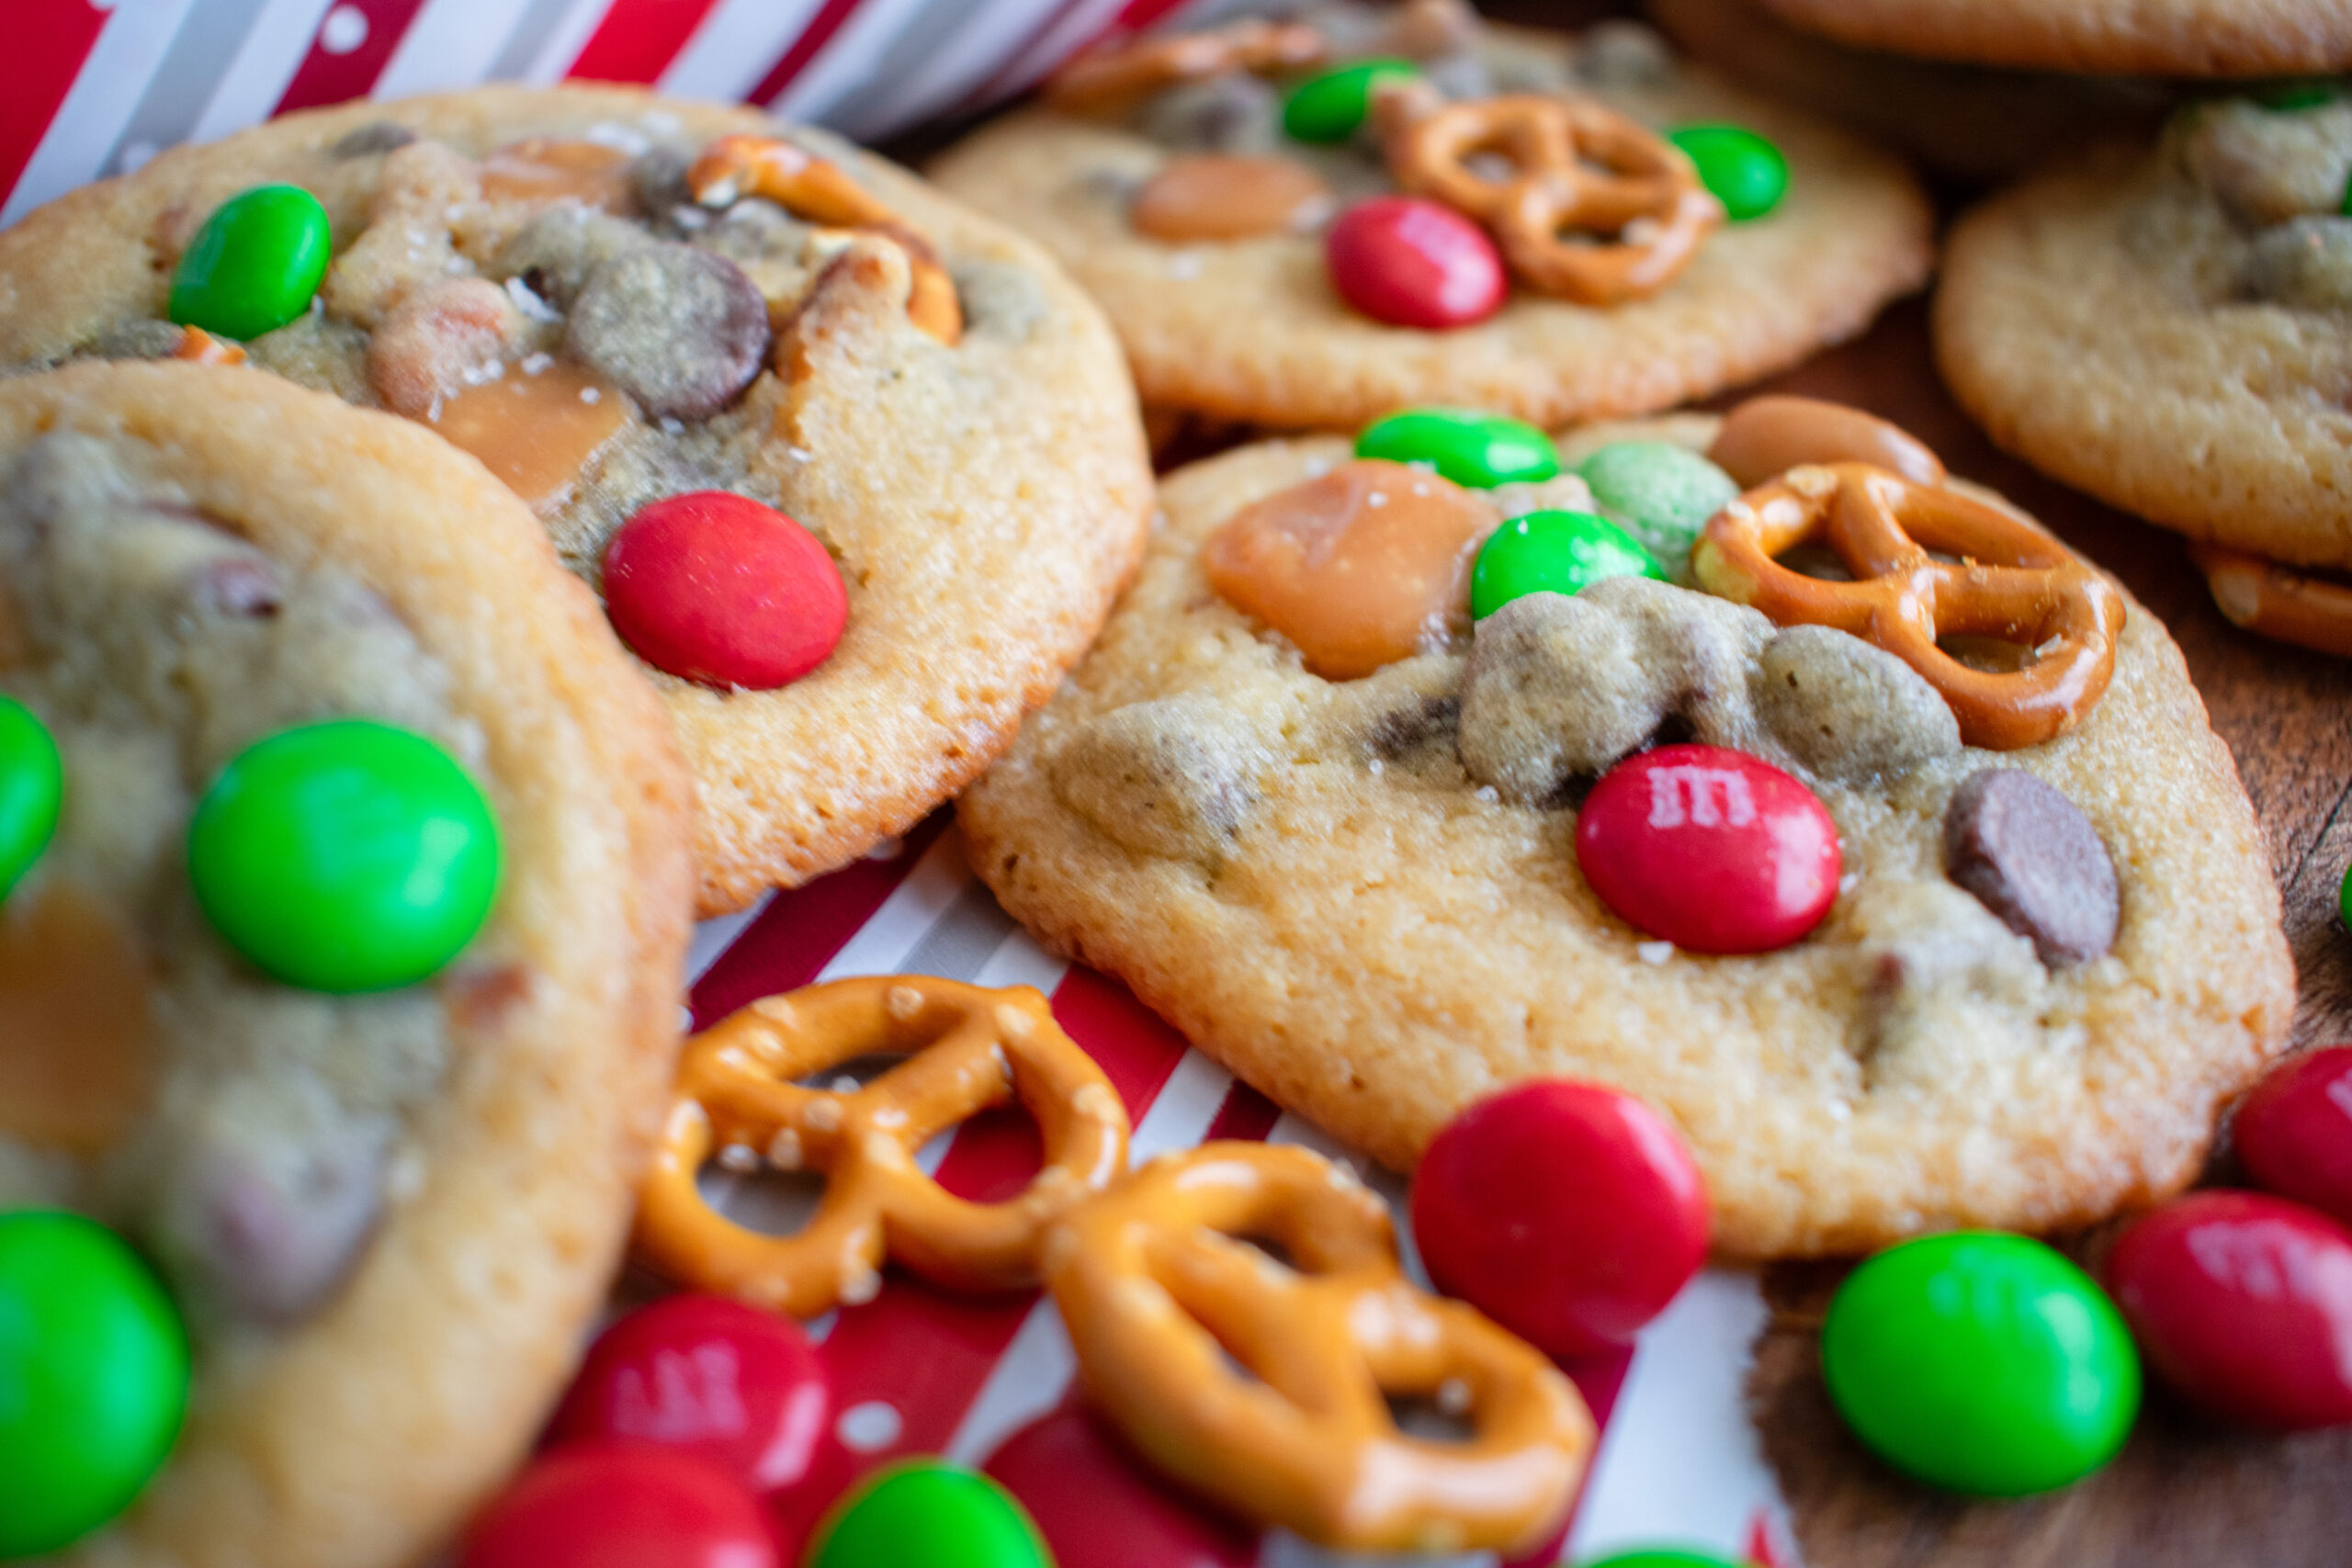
2012,581
967,1049
1576,167
1111,78
2277,602
820,191
1151,1286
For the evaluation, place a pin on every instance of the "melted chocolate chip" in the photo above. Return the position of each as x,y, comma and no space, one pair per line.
680,329
377,136
2032,858
1413,725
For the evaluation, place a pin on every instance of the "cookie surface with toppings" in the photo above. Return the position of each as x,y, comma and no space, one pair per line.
308,674
1497,219
613,300
1363,895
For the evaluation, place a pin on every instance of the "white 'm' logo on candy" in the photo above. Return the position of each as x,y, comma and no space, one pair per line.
1687,794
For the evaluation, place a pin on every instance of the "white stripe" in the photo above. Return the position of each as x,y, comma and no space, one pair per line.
1078,28
714,937
964,58
1020,962
1029,1378
1679,1463
564,44
734,46
100,103
256,79
450,43
845,62
881,945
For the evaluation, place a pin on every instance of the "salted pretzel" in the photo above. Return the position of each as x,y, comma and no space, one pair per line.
2011,581
2273,601
967,1049
1156,1292
1112,78
819,190
1576,167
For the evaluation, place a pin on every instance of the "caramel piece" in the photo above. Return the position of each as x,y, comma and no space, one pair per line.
1215,196
1365,566
1765,437
202,347
554,168
535,432
75,1057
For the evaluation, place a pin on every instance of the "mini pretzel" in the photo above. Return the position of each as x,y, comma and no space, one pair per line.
967,1049
2012,581
1111,78
1576,166
1155,1293
817,190
2271,601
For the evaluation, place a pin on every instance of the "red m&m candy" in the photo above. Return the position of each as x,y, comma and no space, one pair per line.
716,587
1412,262
1567,1213
604,1505
2294,1132
739,1386
1713,849
2243,1301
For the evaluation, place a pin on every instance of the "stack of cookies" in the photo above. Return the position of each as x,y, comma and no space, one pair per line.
447,546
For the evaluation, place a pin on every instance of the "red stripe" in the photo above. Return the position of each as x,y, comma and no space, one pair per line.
48,41
802,928
638,39
1246,1115
814,37
328,78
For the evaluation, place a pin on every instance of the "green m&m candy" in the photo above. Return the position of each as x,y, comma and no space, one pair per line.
1981,1363
1480,450
2344,899
32,788
931,1513
94,1377
1329,107
254,264
345,856
1660,1559
1557,552
1660,493
1744,171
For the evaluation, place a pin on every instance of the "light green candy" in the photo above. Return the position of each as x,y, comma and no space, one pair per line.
1660,493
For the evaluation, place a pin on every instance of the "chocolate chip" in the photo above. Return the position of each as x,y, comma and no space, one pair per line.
659,178
377,136
680,329
2035,861
1417,722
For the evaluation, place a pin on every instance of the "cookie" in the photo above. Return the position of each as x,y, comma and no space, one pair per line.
1380,898
1970,121
2165,329
386,1201
2157,37
1322,265
592,289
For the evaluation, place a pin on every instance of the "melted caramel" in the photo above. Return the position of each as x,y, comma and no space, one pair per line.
1765,437
553,168
535,432
1213,196
76,1061
1365,566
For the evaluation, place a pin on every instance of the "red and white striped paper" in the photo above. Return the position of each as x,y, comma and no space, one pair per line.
918,1371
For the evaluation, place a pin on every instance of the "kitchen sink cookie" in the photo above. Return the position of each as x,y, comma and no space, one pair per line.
1315,223
346,875
2156,38
2165,330
857,471
1749,765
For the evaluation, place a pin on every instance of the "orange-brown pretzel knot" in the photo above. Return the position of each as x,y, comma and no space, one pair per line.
817,190
1111,78
1151,1286
2273,601
2012,582
1576,168
967,1049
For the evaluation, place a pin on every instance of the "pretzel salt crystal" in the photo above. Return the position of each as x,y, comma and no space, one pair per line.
819,190
967,1049
1576,166
1156,1292
1112,78
2276,602
2011,581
